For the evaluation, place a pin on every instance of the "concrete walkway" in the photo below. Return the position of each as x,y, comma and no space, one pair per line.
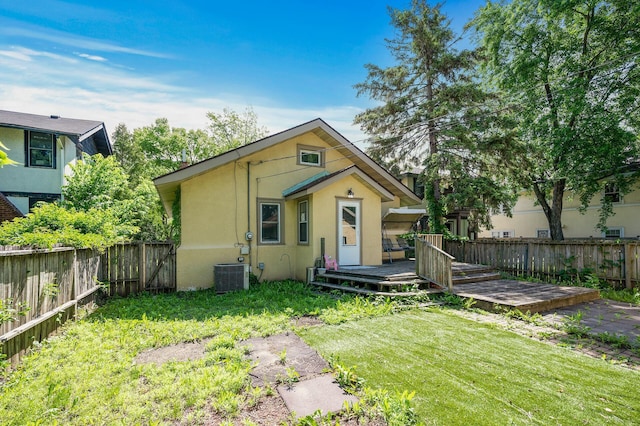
602,316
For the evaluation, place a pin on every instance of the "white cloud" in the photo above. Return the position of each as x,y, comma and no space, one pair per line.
92,57
44,83
73,40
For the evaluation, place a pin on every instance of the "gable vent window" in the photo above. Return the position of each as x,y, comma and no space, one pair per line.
310,156
41,150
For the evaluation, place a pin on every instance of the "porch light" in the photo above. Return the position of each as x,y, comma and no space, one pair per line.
349,193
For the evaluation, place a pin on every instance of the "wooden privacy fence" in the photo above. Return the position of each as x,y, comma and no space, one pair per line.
614,261
432,263
41,289
134,268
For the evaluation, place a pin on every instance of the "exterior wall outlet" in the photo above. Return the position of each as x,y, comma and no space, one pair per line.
244,250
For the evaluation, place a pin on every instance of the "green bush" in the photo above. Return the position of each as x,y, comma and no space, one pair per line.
50,224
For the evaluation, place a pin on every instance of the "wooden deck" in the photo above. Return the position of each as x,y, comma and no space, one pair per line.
524,296
479,282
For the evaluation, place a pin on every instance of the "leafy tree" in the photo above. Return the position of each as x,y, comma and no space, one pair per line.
571,68
154,150
431,114
230,129
97,182
101,183
129,154
4,158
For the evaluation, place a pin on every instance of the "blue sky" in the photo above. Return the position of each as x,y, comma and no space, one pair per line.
134,61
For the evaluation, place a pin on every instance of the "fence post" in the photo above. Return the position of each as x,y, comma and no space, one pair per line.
75,292
628,257
142,267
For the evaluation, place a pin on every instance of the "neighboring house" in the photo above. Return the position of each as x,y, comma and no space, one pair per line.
275,203
457,222
529,220
44,147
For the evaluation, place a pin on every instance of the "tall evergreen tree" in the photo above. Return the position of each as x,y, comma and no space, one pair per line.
571,67
431,114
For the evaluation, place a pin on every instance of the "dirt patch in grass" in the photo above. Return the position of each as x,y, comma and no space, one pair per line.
269,411
178,352
307,321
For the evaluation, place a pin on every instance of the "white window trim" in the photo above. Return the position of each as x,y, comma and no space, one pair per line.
614,228
501,233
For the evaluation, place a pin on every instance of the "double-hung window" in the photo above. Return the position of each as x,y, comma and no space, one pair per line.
271,222
41,150
303,222
612,193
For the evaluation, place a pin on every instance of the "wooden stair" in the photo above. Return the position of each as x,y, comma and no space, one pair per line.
396,285
464,273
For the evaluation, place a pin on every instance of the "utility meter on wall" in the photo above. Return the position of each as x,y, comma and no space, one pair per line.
248,236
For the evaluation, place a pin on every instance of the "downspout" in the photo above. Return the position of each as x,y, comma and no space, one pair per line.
61,162
249,209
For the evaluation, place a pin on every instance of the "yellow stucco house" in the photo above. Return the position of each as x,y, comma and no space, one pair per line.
274,204
529,221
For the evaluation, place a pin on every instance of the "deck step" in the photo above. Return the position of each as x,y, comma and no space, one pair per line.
459,269
475,277
369,292
373,283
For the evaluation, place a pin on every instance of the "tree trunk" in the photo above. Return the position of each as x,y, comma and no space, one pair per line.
435,206
553,212
555,221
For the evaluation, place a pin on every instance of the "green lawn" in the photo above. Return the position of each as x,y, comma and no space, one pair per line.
88,375
467,373
462,372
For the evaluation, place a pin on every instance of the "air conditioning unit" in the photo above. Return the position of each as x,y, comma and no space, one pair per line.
231,277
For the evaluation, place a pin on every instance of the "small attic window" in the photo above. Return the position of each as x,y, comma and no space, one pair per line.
310,156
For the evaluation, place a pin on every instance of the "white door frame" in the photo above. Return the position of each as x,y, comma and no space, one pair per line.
349,243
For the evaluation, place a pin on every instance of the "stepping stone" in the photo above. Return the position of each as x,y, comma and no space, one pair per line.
320,393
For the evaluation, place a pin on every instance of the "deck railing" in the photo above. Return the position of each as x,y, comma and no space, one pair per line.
432,263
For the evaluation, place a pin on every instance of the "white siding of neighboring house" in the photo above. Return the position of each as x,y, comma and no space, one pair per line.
21,179
529,221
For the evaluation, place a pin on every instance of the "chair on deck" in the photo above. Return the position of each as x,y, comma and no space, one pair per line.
388,246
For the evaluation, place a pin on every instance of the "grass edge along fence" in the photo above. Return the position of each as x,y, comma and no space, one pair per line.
41,289
614,261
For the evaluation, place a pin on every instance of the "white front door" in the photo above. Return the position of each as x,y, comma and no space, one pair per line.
348,232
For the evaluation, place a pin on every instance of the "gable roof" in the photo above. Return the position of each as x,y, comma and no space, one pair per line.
8,211
77,130
169,183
